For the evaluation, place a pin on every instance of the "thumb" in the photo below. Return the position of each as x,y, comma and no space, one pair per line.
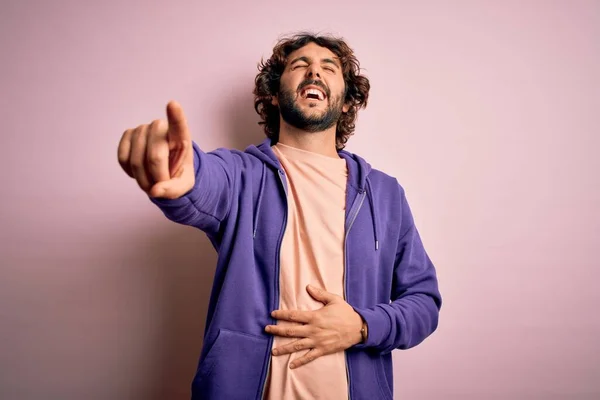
320,295
172,189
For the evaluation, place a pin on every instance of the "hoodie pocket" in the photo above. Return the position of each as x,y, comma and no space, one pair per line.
232,367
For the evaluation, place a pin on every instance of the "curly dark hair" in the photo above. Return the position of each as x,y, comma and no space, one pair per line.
270,71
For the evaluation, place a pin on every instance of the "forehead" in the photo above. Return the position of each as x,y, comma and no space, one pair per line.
312,51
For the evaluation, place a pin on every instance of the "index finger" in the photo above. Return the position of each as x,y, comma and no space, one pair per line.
178,129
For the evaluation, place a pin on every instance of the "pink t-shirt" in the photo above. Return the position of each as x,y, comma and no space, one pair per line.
312,252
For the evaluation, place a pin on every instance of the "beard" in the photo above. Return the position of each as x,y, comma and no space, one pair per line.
294,116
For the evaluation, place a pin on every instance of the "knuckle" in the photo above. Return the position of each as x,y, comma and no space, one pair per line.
310,356
292,316
158,124
141,132
137,136
298,346
144,186
289,332
137,165
123,159
155,158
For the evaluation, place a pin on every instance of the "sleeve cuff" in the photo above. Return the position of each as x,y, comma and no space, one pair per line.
378,326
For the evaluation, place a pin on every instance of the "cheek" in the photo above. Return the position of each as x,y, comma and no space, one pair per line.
340,95
338,87
290,81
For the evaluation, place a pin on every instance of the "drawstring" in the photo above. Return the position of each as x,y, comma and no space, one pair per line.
260,196
373,212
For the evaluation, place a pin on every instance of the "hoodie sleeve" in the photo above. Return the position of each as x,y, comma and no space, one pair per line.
207,204
412,315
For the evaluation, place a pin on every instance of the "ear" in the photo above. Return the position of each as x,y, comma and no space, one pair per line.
345,108
275,101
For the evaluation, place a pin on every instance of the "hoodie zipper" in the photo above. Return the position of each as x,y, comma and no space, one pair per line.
356,205
354,209
270,346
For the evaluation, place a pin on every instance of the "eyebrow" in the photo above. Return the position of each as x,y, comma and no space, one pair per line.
307,60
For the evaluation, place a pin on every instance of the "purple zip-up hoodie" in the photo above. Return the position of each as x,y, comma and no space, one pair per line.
239,201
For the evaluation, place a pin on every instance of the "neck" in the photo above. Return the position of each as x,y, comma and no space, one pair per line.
316,142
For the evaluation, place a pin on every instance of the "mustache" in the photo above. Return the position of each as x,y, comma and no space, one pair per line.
314,83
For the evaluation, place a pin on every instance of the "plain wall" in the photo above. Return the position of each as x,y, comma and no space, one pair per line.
486,111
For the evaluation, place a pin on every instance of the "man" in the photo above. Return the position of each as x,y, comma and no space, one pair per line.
321,272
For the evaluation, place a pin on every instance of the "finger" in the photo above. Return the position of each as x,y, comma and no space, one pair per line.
308,357
174,188
137,157
298,345
178,128
321,295
124,151
157,151
299,331
179,138
293,315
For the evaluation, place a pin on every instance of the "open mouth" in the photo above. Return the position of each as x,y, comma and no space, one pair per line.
313,94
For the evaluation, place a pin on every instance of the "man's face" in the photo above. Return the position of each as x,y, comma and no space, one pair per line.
312,89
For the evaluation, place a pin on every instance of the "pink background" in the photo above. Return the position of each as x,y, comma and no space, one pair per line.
487,112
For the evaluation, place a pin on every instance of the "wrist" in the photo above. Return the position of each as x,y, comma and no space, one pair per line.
364,332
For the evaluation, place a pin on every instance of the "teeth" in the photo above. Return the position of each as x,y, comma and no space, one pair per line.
317,92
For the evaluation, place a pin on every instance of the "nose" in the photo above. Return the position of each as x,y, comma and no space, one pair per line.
313,71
